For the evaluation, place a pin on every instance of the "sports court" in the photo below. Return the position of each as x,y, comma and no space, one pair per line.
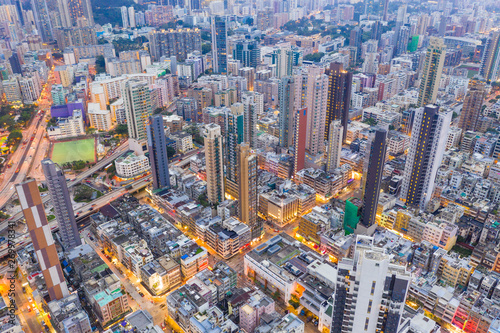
71,151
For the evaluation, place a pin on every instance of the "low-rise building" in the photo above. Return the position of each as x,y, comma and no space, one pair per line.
193,262
161,275
67,315
131,165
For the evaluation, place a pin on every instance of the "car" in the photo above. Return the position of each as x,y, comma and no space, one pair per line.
30,300
162,306
43,322
90,209
142,294
29,308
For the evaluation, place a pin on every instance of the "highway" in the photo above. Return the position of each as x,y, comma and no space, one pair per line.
24,239
102,163
22,158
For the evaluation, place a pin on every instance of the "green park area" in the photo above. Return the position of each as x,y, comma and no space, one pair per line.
70,151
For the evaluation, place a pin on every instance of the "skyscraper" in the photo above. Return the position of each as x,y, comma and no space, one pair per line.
372,177
137,102
80,9
177,43
334,145
158,157
250,122
286,95
300,140
473,102
131,16
370,292
42,20
386,6
285,60
214,163
427,145
41,236
61,200
490,63
62,6
316,95
431,73
219,45
339,97
234,136
403,39
247,52
247,188
355,40
124,12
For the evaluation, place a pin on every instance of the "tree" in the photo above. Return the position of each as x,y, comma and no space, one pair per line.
205,48
205,35
316,57
6,121
370,121
170,152
276,294
14,137
203,200
100,64
121,129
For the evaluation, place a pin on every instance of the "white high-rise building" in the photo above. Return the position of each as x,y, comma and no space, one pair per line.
124,10
137,103
131,16
255,98
312,87
334,145
370,291
214,163
428,142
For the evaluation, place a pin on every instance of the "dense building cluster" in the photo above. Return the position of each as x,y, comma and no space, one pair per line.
265,166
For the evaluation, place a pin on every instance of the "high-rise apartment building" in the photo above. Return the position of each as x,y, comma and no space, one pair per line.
42,19
61,200
316,97
355,40
300,140
286,96
247,188
137,102
334,145
490,63
370,292
285,60
131,17
176,43
428,143
124,12
431,73
473,102
219,45
214,163
339,97
250,122
41,236
158,157
247,52
372,177
80,12
234,136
